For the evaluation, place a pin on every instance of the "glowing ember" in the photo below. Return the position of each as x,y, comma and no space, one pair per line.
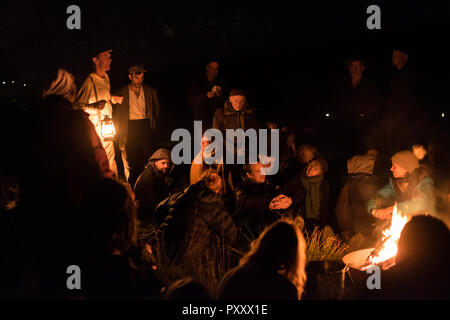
390,238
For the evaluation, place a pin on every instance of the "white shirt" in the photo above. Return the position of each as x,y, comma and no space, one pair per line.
137,105
103,93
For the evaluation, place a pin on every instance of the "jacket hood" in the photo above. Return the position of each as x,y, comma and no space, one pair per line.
361,164
161,153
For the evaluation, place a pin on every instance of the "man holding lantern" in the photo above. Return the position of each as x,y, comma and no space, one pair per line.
94,97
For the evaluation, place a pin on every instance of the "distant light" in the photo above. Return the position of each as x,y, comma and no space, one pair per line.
327,115
4,82
443,115
24,84
12,81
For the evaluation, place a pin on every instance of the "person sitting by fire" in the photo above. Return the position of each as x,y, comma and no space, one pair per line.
258,201
157,181
411,187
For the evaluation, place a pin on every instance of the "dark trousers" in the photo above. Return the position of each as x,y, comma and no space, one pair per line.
139,147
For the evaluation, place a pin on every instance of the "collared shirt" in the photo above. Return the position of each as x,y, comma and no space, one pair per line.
137,105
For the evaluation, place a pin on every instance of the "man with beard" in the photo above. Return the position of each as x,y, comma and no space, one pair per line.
154,184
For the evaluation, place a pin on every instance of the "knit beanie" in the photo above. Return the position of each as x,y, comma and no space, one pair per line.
407,160
238,92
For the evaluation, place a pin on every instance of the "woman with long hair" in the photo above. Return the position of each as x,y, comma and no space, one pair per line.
273,268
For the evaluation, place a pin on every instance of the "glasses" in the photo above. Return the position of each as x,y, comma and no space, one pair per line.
137,73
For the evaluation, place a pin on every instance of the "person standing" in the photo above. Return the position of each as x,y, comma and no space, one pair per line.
94,97
206,95
136,120
402,104
357,102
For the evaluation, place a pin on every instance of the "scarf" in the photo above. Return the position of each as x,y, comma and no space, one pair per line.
312,196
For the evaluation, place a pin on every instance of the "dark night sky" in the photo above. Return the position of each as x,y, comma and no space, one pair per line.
264,47
170,33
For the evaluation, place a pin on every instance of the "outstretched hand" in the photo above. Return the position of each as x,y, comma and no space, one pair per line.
280,202
383,214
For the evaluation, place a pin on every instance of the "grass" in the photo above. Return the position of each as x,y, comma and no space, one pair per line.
319,247
205,259
208,260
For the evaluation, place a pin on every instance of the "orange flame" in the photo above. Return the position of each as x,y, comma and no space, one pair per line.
390,237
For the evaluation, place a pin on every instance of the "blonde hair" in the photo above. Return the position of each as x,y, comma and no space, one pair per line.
282,247
63,85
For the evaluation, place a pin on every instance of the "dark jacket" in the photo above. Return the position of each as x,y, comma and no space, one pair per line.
402,96
351,207
204,107
125,276
70,152
253,282
197,211
357,106
228,118
150,189
122,112
252,212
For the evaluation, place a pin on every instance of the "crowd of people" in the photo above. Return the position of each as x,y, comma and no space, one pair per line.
93,213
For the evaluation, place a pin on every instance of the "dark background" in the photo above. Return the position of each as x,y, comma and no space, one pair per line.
287,55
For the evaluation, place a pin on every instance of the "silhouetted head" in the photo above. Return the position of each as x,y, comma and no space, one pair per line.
110,216
306,152
280,248
61,83
424,240
187,289
212,70
399,59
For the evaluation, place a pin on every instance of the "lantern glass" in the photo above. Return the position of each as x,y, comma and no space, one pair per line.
108,131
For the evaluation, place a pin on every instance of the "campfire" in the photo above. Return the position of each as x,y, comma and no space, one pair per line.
385,252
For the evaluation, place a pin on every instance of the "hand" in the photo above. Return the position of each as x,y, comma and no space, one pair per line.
383,214
314,169
217,90
117,99
280,202
100,105
211,94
